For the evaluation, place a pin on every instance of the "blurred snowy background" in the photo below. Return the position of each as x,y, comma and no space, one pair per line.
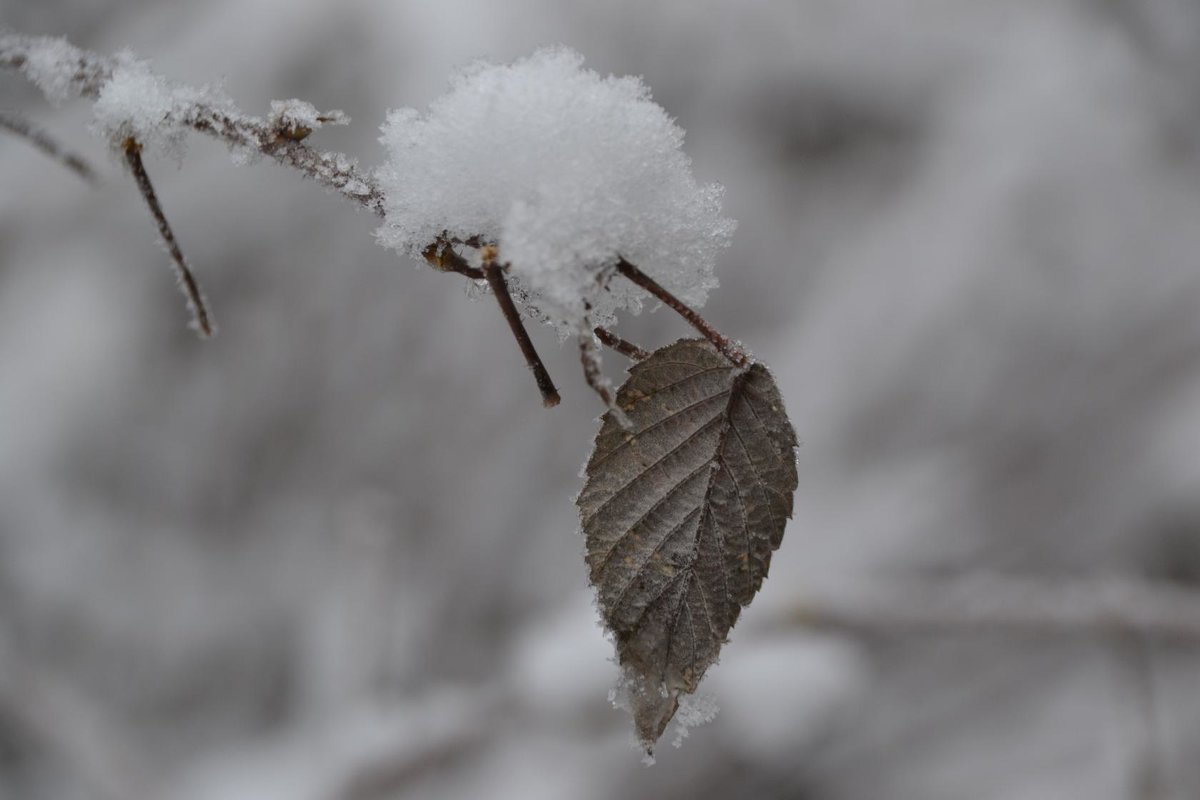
332,554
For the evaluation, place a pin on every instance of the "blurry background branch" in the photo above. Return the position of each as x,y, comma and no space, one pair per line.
1005,606
375,750
19,126
80,736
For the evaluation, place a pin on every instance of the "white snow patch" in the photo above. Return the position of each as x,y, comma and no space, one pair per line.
565,170
51,65
137,103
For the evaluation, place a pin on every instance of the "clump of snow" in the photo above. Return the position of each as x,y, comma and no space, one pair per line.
563,169
137,103
300,115
51,64
357,188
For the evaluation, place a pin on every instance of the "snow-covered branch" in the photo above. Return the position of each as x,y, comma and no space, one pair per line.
558,178
127,93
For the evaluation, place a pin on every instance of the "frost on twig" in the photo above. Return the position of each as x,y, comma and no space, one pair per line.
131,100
296,119
201,319
43,141
593,373
135,107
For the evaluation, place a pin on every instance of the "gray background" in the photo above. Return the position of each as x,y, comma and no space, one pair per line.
333,553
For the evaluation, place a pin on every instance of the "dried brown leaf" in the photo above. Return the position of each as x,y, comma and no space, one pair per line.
681,512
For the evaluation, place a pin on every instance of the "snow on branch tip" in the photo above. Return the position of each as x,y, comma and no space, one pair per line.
566,172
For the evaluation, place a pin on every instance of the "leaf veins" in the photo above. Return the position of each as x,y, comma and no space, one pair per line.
681,512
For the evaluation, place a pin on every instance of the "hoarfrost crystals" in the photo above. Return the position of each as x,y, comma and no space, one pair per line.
694,710
300,115
566,171
51,66
137,103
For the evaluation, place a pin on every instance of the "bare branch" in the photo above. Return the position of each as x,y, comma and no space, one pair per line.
719,340
201,319
495,278
90,72
43,141
625,348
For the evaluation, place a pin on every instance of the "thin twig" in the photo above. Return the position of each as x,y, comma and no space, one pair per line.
719,340
44,142
494,273
625,348
201,319
593,368
593,373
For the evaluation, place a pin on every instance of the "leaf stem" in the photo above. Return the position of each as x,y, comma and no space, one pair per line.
625,348
494,273
727,348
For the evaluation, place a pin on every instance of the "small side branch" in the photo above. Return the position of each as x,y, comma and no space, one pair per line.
727,348
442,256
201,319
495,278
43,141
593,373
593,369
625,348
